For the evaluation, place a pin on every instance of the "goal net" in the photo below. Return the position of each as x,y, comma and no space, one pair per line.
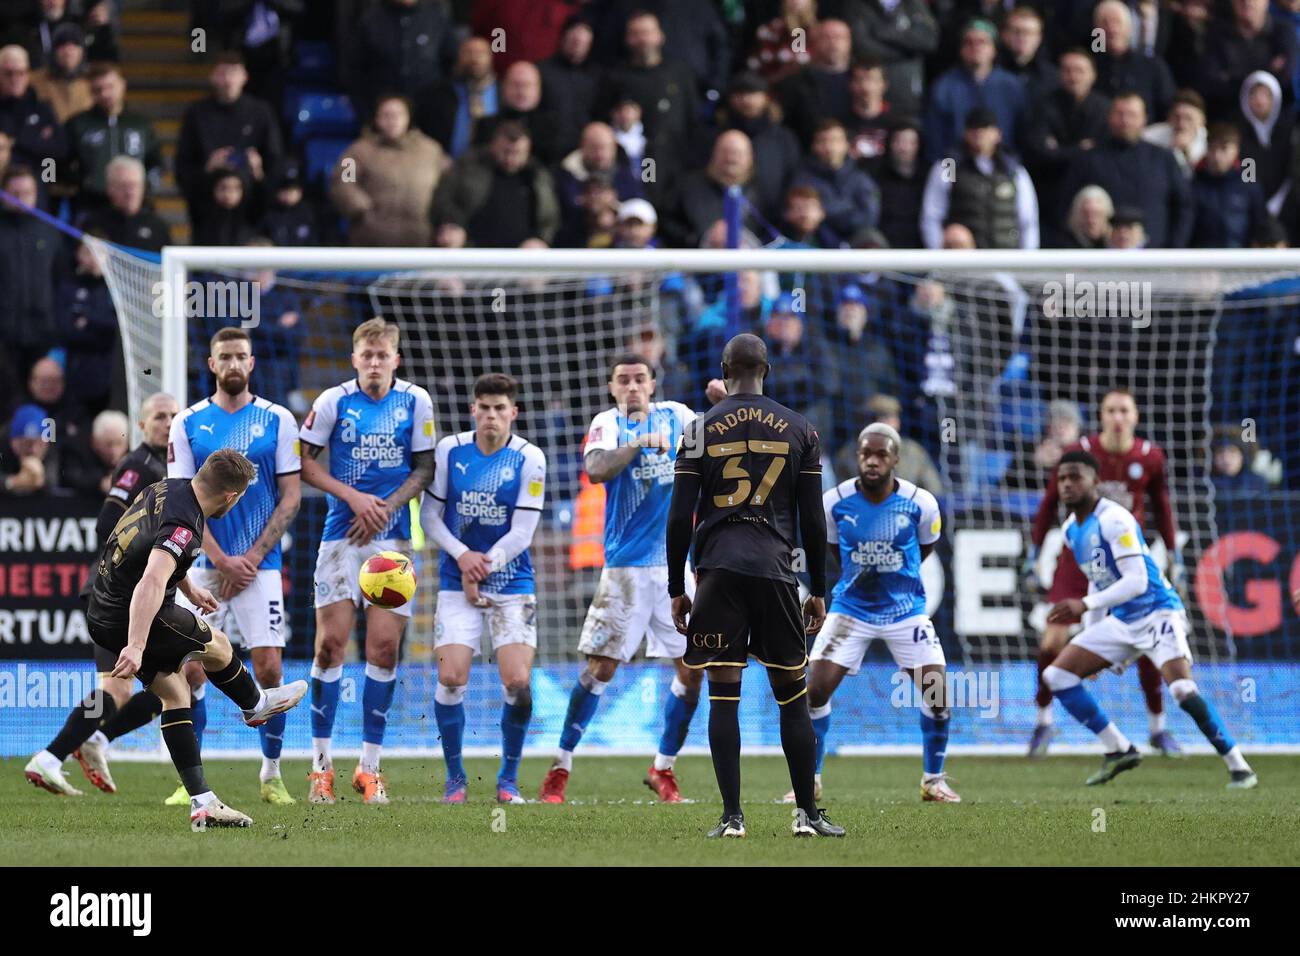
984,355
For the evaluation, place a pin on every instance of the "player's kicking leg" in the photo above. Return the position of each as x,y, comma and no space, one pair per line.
383,635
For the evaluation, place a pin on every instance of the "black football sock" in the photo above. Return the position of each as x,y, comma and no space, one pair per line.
235,682
799,742
136,712
178,734
724,741
82,721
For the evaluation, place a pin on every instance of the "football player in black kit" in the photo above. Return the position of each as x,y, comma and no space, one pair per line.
133,474
750,470
133,613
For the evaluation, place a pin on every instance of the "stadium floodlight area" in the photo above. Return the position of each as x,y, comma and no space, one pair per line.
975,345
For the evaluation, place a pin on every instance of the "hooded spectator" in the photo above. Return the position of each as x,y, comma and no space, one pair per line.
62,81
1268,135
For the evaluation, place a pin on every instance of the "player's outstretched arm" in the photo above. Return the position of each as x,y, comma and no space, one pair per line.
145,602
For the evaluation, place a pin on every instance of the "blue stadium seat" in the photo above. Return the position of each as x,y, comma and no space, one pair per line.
324,114
321,153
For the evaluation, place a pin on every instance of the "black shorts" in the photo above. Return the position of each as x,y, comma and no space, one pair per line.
738,616
175,635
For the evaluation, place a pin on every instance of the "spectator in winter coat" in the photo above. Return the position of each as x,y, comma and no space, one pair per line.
976,81
1238,45
850,197
1183,132
901,178
385,181
1268,135
1229,207
1136,173
900,35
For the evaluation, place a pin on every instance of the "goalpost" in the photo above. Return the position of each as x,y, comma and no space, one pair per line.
977,346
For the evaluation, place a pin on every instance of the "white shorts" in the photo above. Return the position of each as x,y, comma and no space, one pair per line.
1161,636
254,617
511,619
629,604
844,640
338,570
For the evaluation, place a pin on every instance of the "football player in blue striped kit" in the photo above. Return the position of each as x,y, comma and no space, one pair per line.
379,432
632,450
1146,617
482,511
884,528
241,562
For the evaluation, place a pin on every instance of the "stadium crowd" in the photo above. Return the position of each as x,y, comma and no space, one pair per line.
624,123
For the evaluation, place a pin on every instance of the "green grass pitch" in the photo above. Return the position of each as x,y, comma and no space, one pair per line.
1016,812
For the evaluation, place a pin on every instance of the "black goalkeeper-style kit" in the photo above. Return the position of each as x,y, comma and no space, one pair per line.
166,516
750,471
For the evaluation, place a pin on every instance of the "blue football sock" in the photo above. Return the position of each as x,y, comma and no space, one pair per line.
514,727
324,702
582,707
821,728
199,714
1207,718
271,734
678,712
451,728
376,698
934,742
1083,707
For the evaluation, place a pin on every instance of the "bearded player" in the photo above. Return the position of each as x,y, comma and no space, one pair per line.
1146,617
379,432
482,511
133,613
885,528
134,473
1133,472
631,449
241,558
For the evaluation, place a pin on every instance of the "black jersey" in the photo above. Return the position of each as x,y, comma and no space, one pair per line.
133,474
166,515
749,452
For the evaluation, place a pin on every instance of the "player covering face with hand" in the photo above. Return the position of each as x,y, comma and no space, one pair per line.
884,528
1146,617
631,450
482,510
